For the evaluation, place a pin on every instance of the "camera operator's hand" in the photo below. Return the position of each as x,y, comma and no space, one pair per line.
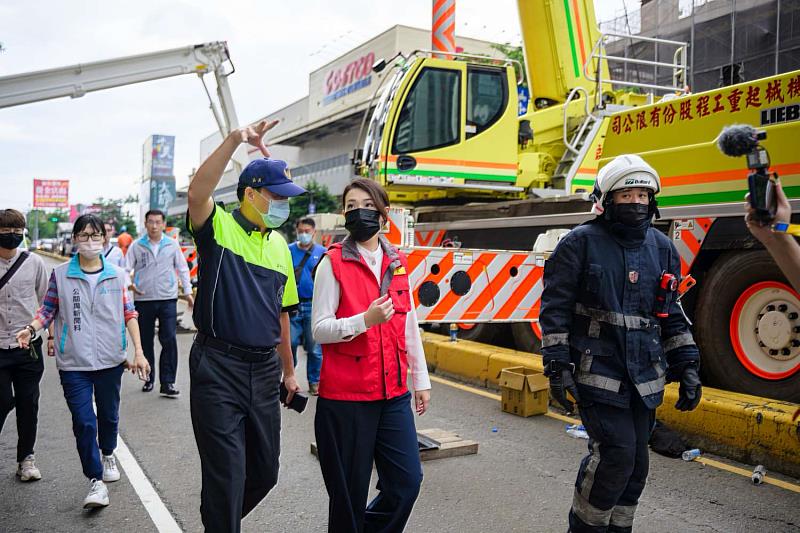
783,213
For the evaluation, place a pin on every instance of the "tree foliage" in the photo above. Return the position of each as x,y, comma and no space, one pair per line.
318,194
514,53
48,222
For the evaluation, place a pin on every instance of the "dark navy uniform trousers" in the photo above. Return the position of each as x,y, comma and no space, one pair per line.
612,477
237,422
350,435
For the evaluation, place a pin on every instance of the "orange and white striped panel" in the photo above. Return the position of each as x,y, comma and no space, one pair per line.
688,235
429,238
503,286
190,253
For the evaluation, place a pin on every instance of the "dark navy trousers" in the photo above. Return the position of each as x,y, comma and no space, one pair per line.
80,388
236,417
166,311
612,477
350,436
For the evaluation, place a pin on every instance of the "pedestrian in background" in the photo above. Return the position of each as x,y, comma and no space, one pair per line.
88,302
154,260
305,256
245,292
613,336
363,315
112,252
23,283
124,239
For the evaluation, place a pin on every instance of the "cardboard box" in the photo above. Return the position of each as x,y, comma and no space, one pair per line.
524,391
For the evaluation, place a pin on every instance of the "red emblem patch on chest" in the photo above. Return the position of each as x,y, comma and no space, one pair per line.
633,276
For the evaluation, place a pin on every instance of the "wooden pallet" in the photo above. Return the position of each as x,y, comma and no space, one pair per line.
444,444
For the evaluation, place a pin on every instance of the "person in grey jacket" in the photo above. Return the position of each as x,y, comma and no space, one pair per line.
154,260
88,304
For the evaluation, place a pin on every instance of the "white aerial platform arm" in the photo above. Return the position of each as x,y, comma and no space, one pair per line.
77,80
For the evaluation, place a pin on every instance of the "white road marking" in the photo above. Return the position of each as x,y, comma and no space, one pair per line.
159,514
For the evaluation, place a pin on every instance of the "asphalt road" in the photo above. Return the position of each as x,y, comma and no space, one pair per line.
520,480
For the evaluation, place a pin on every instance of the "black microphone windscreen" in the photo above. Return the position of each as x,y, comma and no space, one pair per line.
737,140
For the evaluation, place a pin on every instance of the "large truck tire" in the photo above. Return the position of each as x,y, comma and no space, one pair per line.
748,327
527,336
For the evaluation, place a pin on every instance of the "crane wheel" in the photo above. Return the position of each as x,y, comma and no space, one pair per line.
748,327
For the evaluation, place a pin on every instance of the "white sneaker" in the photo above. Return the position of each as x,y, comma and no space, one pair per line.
110,471
97,497
27,471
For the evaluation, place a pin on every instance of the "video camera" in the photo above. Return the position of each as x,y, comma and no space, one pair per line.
743,140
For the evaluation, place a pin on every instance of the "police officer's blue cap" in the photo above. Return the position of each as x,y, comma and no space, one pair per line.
272,174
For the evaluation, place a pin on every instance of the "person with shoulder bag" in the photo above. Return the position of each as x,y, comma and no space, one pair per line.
23,283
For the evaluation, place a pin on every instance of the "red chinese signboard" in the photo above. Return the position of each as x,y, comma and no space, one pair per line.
50,193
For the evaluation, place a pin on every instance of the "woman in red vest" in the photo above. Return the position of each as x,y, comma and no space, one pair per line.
364,318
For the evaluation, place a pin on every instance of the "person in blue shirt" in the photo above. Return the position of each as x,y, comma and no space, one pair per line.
305,256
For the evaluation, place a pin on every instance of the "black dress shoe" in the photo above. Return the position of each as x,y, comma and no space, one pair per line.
169,390
147,387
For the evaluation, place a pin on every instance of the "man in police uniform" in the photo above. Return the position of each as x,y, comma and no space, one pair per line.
246,289
613,336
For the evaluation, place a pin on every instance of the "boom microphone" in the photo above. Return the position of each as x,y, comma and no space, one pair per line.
738,140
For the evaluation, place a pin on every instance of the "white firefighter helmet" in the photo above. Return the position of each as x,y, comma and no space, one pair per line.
624,171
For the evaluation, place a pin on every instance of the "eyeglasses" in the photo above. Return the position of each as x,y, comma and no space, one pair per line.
84,237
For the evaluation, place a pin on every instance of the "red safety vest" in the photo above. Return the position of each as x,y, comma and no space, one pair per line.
373,365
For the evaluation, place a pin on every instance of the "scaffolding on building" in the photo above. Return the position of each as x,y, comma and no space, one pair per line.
731,41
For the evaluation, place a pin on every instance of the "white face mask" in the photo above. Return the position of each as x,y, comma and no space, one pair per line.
90,249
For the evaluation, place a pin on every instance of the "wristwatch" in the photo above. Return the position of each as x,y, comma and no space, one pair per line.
31,329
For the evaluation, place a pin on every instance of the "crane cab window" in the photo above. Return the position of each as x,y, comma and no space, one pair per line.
429,117
486,99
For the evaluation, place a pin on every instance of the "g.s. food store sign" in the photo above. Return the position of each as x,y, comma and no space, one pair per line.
341,81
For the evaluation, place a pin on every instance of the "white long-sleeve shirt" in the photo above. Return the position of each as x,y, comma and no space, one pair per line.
327,329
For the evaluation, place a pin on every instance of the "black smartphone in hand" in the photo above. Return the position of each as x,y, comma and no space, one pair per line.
762,196
299,400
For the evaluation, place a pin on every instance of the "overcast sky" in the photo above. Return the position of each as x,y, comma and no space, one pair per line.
96,141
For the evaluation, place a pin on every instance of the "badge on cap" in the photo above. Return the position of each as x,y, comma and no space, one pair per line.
286,171
633,276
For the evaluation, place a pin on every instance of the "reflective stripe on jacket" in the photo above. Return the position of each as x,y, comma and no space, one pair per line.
598,310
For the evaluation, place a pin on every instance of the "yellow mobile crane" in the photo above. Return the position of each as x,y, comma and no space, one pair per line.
445,132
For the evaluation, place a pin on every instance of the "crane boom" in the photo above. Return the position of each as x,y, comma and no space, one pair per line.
557,40
75,81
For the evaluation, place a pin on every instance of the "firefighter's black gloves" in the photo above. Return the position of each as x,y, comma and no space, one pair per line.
562,382
690,390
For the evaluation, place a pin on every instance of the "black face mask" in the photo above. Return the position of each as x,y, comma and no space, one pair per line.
633,215
362,224
10,241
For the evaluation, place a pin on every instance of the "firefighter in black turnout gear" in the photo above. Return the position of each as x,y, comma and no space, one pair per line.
613,336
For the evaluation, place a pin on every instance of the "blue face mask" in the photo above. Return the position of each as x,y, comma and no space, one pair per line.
277,213
304,238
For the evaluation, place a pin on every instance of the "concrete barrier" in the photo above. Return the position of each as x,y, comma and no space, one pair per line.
740,426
